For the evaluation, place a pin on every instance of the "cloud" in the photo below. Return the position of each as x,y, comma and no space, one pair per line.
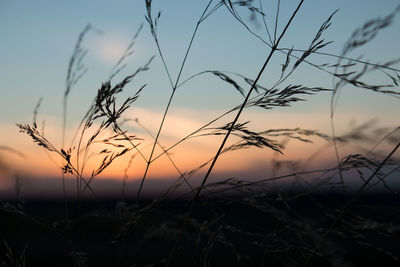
176,126
109,48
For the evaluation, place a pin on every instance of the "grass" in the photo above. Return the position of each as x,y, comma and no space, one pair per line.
234,221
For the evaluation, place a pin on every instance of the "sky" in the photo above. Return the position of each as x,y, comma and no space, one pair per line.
38,38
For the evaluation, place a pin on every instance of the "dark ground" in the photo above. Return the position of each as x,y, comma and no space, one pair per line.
271,230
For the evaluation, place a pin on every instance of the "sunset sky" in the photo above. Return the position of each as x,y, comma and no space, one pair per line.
38,38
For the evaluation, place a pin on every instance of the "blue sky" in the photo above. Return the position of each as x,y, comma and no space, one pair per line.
38,38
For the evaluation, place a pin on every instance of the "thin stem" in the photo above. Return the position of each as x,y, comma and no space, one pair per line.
194,132
265,22
167,154
163,61
341,57
154,145
62,146
239,19
351,201
190,45
276,20
337,151
248,95
174,86
194,201
266,180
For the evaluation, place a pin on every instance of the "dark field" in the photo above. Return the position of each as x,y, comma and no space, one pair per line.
261,230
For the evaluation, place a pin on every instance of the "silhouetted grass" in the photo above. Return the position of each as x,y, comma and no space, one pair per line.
231,222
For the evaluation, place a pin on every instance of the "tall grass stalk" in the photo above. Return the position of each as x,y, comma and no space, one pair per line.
232,125
174,85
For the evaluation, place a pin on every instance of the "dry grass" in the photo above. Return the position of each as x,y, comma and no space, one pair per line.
255,225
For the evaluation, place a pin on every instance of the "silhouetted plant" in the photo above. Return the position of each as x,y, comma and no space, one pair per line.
289,239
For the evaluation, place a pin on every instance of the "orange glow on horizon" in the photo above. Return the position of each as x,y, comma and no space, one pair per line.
187,156
192,156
